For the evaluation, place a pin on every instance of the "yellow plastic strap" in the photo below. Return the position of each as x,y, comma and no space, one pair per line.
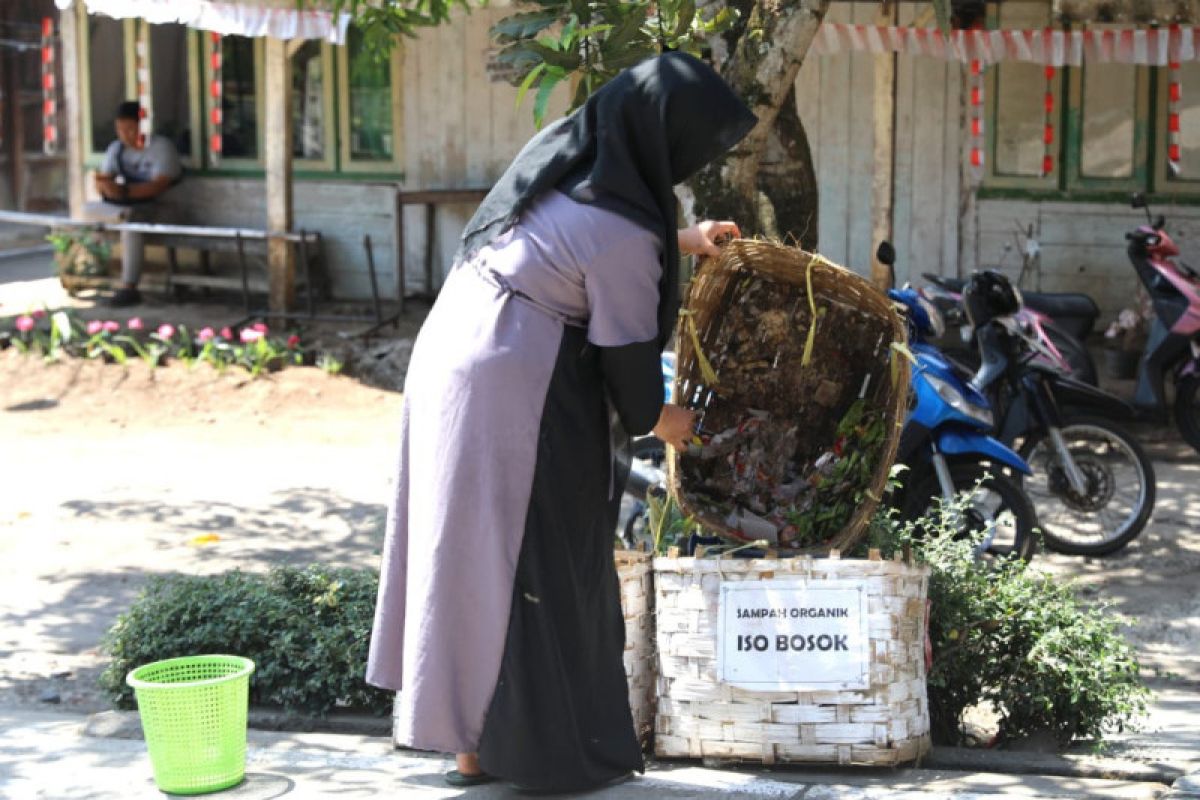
812,310
902,349
706,369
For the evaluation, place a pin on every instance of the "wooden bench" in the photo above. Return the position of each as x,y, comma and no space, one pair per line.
245,242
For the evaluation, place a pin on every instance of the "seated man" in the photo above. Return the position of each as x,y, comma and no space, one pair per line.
136,170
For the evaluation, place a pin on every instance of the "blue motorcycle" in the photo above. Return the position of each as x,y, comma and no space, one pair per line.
946,445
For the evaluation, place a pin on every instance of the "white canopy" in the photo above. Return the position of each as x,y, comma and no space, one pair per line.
279,19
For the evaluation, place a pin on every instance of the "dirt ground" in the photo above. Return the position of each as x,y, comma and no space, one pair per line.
109,474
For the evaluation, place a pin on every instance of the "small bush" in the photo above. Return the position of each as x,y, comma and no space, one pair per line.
1022,642
307,630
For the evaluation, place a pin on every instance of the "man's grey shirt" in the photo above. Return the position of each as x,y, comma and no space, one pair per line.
157,159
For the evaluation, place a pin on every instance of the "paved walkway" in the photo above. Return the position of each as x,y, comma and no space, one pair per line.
48,755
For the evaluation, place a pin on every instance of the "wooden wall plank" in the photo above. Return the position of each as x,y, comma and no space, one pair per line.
833,167
953,157
904,187
929,201
861,140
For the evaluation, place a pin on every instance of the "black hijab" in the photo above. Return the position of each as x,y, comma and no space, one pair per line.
650,128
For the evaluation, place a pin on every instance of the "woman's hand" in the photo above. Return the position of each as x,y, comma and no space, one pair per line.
675,425
701,239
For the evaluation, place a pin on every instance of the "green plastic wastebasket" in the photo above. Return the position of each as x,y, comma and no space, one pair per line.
193,712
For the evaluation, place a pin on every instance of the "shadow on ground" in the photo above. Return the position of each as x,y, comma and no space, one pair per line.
300,526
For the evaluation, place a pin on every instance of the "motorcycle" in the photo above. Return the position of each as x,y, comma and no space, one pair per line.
1092,485
1061,321
946,446
1173,345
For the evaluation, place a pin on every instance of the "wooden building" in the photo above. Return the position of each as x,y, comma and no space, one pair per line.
433,118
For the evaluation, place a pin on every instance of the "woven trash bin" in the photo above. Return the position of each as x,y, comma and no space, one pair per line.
193,711
634,571
884,721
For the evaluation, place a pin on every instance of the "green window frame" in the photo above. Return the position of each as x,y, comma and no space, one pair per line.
1069,181
195,158
1185,185
129,30
348,163
93,156
238,163
338,112
328,125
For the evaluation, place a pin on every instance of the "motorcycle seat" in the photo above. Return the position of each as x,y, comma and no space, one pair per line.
1056,305
1062,304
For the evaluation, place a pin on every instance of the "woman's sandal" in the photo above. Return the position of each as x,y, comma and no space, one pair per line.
461,780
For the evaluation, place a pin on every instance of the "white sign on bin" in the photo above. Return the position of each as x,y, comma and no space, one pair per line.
793,635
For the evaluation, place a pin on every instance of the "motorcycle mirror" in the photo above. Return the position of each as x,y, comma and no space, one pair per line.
1160,222
1137,200
1174,168
886,253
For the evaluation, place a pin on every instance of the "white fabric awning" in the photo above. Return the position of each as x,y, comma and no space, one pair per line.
279,19
1056,48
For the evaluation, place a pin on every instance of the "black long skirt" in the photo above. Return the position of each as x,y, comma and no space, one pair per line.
559,719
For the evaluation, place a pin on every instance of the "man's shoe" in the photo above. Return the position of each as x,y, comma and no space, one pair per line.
125,297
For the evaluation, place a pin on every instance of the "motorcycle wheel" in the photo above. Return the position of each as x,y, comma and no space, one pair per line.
996,500
1120,495
1187,410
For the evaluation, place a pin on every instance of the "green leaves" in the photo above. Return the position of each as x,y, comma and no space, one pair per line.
1016,640
523,26
307,630
587,43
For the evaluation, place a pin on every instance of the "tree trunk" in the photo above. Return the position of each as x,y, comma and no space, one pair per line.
767,183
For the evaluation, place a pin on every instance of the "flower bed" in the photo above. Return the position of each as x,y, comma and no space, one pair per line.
64,334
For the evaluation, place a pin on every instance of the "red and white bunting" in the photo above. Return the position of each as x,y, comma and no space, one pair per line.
49,90
1048,130
1152,46
144,95
977,115
215,89
1174,100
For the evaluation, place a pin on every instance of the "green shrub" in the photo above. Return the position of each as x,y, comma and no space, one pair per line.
1019,641
307,630
1002,634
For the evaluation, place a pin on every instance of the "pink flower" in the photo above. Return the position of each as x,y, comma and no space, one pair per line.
250,335
293,342
135,324
206,334
166,331
94,327
25,323
38,314
261,327
111,326
226,333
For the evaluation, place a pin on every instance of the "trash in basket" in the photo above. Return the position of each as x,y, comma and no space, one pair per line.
193,712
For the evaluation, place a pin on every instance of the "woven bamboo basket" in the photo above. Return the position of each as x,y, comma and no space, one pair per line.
637,603
753,356
700,717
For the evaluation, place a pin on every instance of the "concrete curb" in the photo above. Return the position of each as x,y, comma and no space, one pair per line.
1012,762
1185,788
127,725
